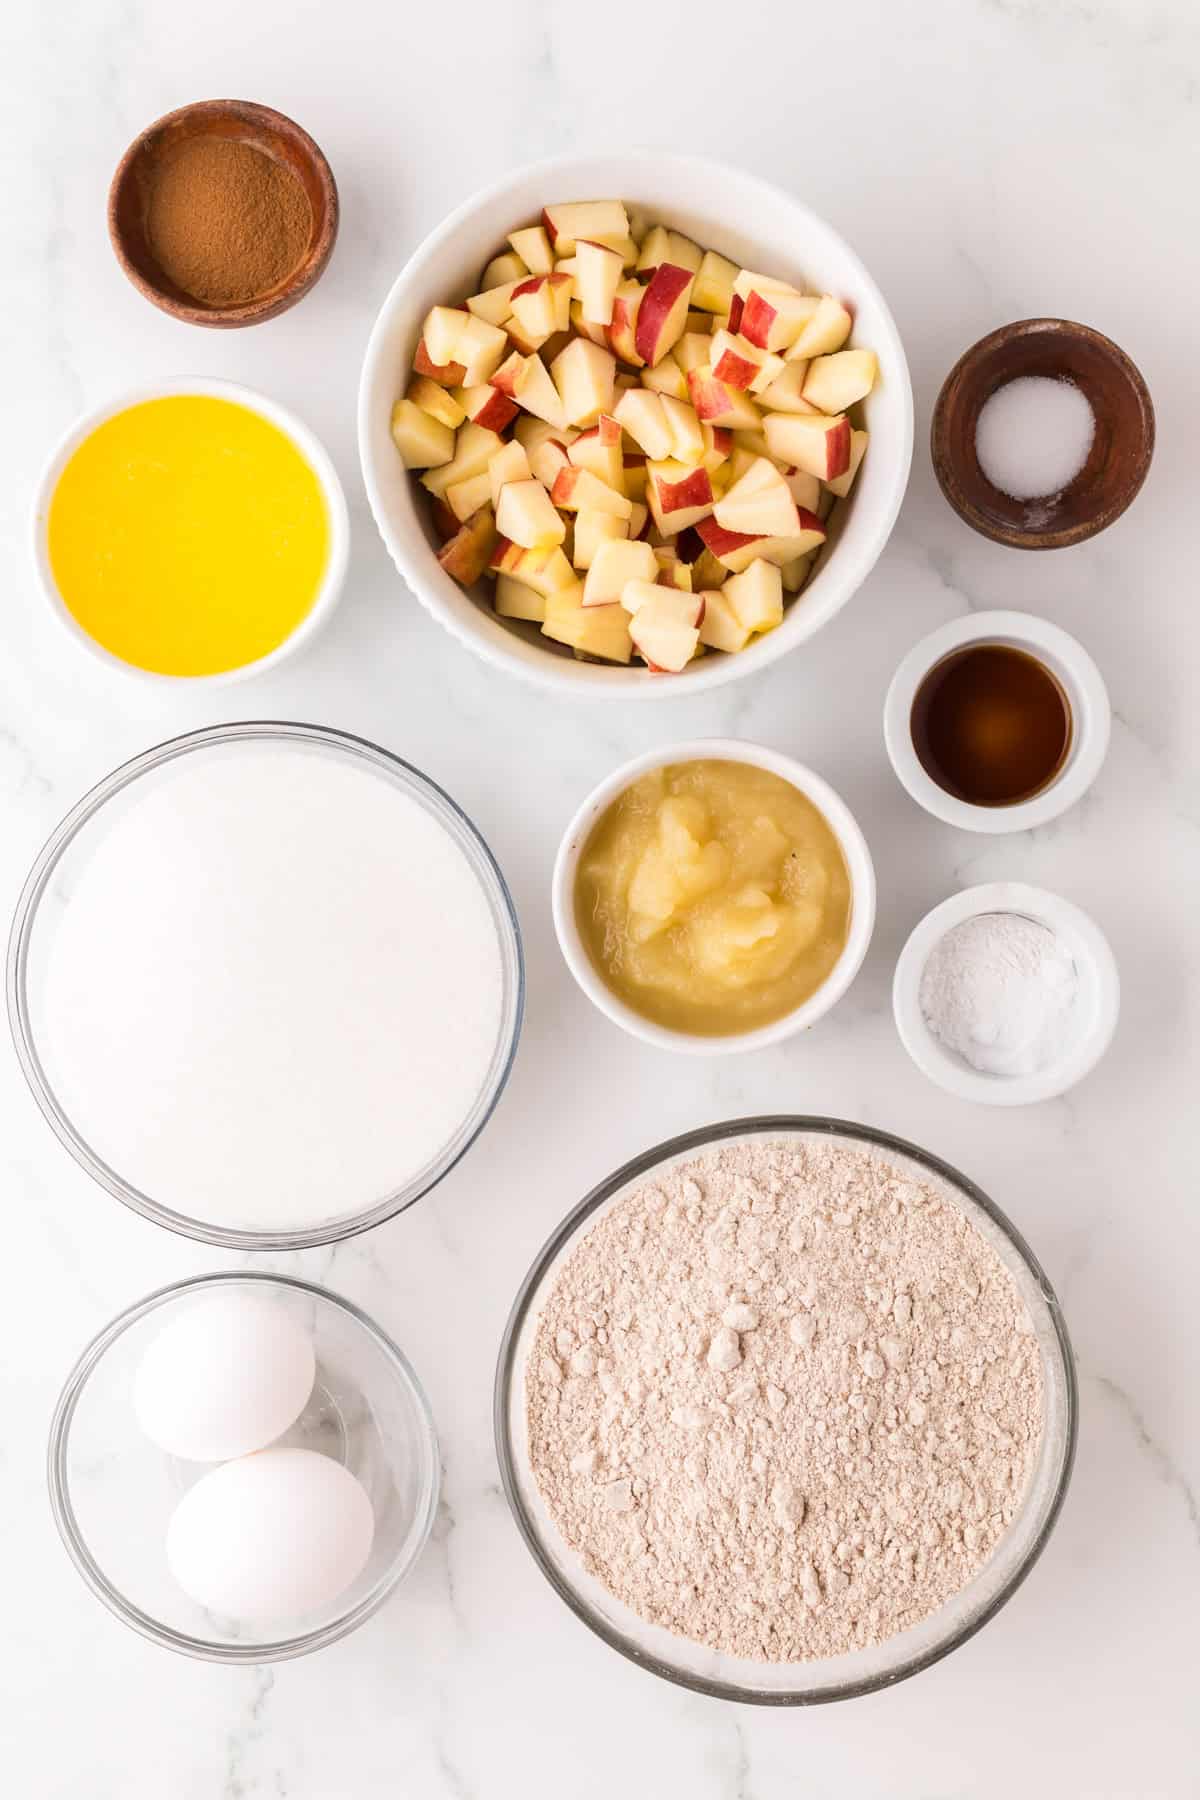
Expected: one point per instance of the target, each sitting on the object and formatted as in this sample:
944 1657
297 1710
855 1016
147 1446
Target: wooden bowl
278 137
1121 448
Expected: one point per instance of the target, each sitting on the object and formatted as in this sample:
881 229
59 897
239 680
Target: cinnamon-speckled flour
784 1399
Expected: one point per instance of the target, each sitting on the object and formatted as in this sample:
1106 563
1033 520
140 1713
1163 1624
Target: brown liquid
991 725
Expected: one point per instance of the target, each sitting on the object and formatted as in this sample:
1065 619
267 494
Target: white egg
272 1536
226 1377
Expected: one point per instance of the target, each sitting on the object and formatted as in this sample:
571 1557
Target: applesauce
713 897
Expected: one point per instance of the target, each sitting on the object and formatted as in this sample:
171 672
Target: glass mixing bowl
49 887
860 1672
112 1491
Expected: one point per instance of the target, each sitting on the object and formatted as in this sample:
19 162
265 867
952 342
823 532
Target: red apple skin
505 554
530 286
622 332
758 315
736 308
837 445
709 397
694 490
496 412
808 521
666 285
735 371
548 226
466 555
722 438
445 374
564 485
445 522
506 376
721 542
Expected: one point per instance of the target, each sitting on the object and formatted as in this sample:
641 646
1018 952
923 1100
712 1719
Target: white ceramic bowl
1097 1007
1079 679
747 220
310 448
841 821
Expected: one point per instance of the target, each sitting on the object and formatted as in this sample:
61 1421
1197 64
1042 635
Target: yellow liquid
188 535
713 897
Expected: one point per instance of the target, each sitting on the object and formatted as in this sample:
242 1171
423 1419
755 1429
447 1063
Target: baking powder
1001 991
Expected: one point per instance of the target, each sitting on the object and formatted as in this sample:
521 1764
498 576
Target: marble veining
990 160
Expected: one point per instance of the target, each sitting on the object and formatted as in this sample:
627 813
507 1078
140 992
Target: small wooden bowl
273 133
1117 462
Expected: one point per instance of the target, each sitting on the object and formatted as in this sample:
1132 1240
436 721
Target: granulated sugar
783 1399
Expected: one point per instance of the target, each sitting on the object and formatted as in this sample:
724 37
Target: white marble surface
990 159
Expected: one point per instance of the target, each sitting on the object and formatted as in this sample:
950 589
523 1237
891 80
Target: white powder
783 1399
275 988
1001 991
1033 436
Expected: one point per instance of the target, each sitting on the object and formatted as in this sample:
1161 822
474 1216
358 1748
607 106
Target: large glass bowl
860 1672
50 881
113 1492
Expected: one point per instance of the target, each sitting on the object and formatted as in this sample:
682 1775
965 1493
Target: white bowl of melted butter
713 896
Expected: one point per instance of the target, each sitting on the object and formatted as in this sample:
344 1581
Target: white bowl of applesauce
714 896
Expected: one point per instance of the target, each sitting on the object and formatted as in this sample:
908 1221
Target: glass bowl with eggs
243 1467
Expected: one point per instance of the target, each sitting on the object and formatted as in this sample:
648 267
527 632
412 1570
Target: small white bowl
744 218
1079 679
310 448
1096 1012
842 823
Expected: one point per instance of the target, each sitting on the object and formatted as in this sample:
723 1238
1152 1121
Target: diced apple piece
534 390
758 503
734 359
663 312
493 305
692 351
786 392
797 572
533 247
661 633
804 488
546 570
520 339
437 401
637 592
503 270
464 498
668 378
687 438
596 334
488 405
622 332
756 596
474 447
640 413
718 444
707 572
720 627
531 432
526 516
679 496
423 441
583 375
443 327
734 550
547 461
514 600
753 441
671 571
841 484
466 555
603 221
614 563
598 276
449 375
564 615
715 277
661 245
639 518
593 529
577 490
604 632
534 307
825 332
480 349
506 376
810 441
509 464
564 293
719 404
599 449
773 319
835 382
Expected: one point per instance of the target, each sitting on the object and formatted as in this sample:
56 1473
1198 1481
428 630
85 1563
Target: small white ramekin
310 448
1097 1008
845 828
1067 661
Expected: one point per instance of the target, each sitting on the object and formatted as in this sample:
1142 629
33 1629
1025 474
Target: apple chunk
811 442
509 464
665 630
534 390
599 449
603 221
756 596
436 400
825 332
641 414
713 290
592 529
719 404
720 627
488 405
466 555
597 278
841 484
614 564
759 502
583 375
678 495
662 315
423 441
835 382
532 246
578 490
526 515
513 600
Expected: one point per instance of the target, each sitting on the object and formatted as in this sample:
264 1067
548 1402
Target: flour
1000 991
783 1399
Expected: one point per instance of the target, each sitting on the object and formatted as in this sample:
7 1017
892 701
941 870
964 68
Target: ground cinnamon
224 221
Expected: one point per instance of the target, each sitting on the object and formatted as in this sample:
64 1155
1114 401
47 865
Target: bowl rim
841 821
545 670
644 1164
66 1522
1090 707
303 440
466 835
1011 537
310 268
945 1069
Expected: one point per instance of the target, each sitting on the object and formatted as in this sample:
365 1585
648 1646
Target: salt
1000 990
275 990
1033 436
